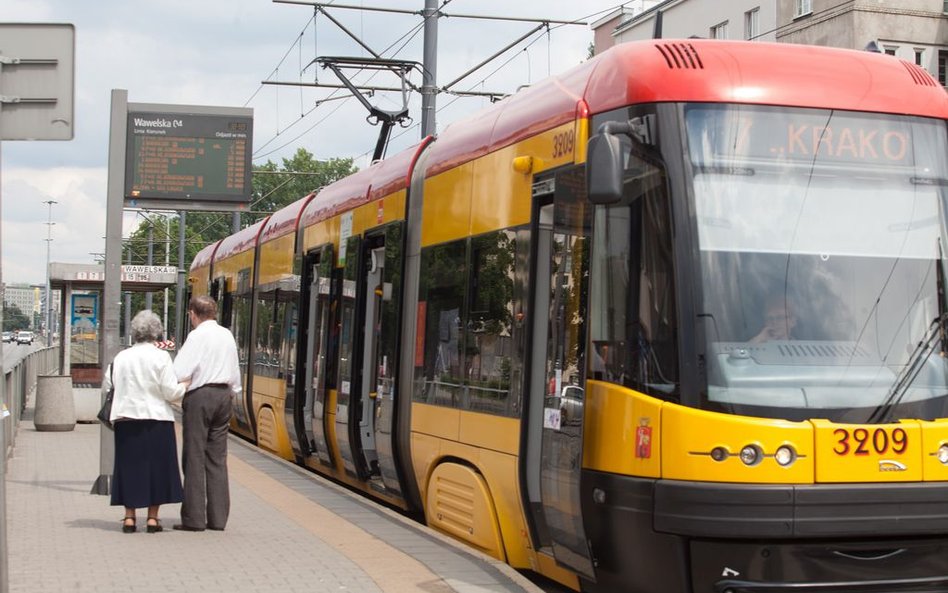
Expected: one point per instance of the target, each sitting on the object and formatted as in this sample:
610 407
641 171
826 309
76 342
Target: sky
218 52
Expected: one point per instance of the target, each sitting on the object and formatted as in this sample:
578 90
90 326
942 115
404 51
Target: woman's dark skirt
146 464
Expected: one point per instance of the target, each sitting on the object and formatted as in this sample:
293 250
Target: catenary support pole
429 86
164 316
179 292
127 307
149 296
47 312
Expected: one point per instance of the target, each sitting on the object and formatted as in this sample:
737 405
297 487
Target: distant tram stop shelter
81 288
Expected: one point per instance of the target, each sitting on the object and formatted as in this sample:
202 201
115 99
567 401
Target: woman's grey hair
146 327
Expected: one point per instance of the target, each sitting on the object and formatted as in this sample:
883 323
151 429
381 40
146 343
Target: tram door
317 336
367 359
369 390
380 350
555 436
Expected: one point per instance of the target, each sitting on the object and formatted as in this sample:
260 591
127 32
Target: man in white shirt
208 359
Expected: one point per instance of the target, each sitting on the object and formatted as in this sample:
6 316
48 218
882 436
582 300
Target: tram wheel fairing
459 504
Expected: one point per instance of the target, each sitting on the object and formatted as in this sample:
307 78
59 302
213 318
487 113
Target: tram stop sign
37 81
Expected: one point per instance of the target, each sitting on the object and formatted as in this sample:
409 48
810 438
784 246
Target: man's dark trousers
206 416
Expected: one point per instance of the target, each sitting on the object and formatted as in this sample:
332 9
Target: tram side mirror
604 168
608 154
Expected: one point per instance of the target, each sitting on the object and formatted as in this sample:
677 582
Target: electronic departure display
188 157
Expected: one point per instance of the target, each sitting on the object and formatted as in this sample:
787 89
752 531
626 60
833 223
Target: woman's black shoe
156 528
128 527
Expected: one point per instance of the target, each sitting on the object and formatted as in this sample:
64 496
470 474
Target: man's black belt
215 385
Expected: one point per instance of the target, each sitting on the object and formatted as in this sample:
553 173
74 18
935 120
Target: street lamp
49 241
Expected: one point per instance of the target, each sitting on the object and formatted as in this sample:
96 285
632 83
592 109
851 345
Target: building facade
604 27
755 20
31 301
24 297
913 30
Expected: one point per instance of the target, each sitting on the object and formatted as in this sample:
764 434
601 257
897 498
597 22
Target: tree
14 319
274 187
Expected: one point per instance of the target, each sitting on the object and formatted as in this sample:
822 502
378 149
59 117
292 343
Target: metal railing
19 384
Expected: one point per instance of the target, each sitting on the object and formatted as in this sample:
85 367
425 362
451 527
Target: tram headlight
785 455
943 454
751 455
719 454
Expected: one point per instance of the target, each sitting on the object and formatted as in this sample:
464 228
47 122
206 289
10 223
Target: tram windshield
822 245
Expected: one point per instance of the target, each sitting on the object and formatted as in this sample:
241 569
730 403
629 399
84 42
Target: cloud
217 52
78 218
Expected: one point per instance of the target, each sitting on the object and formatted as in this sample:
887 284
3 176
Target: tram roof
380 179
240 241
285 220
205 255
786 74
696 70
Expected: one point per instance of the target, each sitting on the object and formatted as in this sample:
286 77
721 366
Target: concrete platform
289 531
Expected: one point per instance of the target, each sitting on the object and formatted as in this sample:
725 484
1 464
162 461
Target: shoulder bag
106 412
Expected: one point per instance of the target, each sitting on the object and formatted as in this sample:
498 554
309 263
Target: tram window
347 322
489 343
226 308
331 300
390 308
441 330
634 321
267 357
240 325
291 320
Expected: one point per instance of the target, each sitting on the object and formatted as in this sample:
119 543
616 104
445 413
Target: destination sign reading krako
184 156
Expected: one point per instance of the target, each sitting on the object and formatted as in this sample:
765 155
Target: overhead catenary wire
547 22
460 95
296 41
413 32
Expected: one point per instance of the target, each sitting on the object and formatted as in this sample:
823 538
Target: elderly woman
146 454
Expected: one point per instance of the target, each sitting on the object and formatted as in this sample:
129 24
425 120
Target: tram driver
779 321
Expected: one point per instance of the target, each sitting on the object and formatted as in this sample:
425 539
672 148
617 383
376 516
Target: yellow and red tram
672 321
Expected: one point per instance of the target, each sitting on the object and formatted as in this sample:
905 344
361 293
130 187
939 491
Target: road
13 353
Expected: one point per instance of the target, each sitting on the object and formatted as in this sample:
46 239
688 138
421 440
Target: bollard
55 407
88 401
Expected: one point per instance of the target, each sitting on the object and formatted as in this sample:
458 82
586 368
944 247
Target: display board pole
111 297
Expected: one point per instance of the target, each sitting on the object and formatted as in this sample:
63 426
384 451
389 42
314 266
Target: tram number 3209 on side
563 144
861 441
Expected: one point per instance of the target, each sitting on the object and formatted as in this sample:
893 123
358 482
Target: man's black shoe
182 527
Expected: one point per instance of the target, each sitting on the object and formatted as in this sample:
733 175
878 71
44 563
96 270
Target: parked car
24 337
7 336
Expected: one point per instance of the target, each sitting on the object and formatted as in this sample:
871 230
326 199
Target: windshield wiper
934 335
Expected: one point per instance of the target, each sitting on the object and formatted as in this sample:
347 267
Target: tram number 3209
861 441
563 144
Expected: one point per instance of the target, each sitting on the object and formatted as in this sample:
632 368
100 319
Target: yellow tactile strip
391 569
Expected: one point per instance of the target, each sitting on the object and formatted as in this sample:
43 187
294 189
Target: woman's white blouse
145 384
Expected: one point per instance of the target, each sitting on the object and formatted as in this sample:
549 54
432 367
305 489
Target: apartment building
913 30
